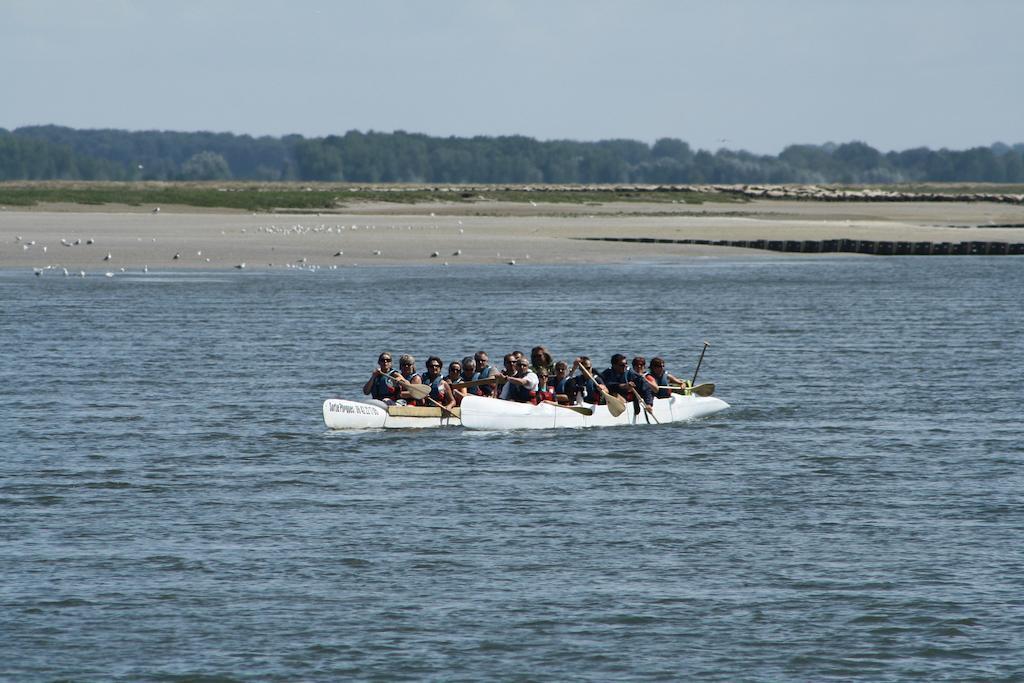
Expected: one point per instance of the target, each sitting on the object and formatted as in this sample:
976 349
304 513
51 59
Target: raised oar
699 360
705 389
576 409
616 405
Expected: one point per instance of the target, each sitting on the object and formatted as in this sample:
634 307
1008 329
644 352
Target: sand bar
479 233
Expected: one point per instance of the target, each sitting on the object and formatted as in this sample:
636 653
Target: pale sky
743 74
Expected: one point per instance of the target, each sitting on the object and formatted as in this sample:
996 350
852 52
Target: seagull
156 210
376 252
107 257
512 262
145 269
90 241
44 249
434 254
109 274
340 253
65 272
240 266
457 252
176 257
38 272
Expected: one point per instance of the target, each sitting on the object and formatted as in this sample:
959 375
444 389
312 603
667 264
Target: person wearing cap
381 385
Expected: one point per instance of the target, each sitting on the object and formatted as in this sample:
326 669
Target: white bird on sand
457 252
109 274
90 241
176 256
44 249
145 269
240 266
340 253
107 257
81 273
65 272
434 254
512 262
156 210
376 252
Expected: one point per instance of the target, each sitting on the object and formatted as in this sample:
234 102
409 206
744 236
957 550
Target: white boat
340 413
490 413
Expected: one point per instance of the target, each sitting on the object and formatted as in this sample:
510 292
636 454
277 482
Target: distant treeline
59 153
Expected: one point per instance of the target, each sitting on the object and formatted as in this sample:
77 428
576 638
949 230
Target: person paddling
662 378
381 385
440 390
455 375
407 367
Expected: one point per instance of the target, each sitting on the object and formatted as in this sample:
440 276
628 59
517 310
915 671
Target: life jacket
409 378
385 388
519 393
436 389
545 394
587 388
640 386
661 382
611 377
483 389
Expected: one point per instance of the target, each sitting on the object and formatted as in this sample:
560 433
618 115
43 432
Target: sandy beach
58 236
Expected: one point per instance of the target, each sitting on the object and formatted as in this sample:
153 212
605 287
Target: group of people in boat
529 380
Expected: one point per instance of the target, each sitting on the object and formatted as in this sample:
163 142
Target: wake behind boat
493 414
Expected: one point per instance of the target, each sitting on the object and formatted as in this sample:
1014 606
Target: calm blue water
172 508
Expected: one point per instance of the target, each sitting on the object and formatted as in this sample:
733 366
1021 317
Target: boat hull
490 413
341 413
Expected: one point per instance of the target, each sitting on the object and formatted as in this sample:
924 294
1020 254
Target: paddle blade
418 391
705 389
616 406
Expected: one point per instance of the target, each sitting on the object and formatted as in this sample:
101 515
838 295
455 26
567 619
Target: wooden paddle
616 405
705 389
444 411
417 391
478 382
576 409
